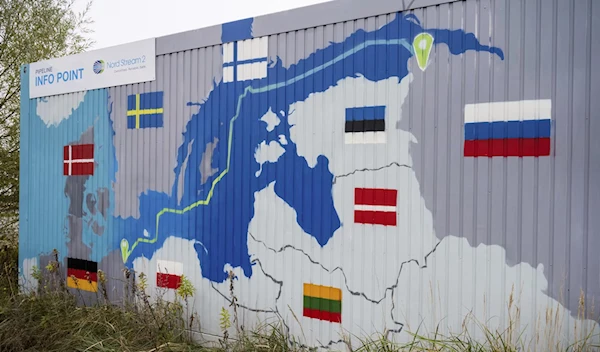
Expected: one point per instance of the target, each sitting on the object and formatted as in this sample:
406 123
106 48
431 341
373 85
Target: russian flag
514 128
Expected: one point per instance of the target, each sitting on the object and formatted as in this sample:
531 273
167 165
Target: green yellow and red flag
323 303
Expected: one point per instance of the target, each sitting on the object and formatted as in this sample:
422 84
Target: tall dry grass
54 318
549 333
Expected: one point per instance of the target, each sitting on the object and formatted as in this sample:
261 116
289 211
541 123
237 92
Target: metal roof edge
291 20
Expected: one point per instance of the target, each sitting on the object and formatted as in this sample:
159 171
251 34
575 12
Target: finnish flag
245 60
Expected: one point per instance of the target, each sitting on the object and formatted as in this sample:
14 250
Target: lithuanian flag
323 303
86 273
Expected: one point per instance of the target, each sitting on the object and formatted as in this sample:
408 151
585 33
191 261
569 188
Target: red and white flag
375 206
168 274
78 159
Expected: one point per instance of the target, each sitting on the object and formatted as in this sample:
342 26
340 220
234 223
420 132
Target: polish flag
168 274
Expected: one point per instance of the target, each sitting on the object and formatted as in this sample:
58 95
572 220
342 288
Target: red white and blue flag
515 128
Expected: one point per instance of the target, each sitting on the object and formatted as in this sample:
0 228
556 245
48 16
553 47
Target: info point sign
123 64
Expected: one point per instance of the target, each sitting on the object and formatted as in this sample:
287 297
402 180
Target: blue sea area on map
220 227
49 194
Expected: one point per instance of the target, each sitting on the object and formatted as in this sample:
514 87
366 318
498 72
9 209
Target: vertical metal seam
520 166
552 217
490 185
476 164
423 184
586 189
448 173
436 154
505 160
536 176
570 71
462 173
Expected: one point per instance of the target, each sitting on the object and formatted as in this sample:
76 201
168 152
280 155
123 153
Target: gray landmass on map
103 197
75 190
97 228
97 204
75 185
76 248
487 180
51 280
90 202
153 151
116 283
181 180
206 169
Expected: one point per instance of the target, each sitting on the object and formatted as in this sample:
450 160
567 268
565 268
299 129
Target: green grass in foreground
51 320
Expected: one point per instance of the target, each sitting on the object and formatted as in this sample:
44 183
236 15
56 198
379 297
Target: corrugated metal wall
265 177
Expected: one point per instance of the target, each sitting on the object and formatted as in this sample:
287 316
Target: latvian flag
78 159
516 128
245 60
168 274
375 206
365 125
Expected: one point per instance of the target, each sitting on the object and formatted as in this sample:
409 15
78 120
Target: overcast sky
123 21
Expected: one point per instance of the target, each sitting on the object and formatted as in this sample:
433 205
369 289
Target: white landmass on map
52 110
27 281
258 293
443 294
271 120
318 124
375 259
282 140
436 292
358 248
267 153
294 268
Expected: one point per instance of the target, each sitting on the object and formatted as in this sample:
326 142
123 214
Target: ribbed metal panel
261 177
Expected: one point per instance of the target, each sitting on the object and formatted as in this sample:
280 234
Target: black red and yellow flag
82 274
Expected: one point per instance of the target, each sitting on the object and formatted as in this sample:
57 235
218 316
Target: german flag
323 303
86 273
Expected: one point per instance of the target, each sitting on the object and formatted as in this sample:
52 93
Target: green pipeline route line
126 250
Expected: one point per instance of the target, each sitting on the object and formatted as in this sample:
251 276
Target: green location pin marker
422 45
124 249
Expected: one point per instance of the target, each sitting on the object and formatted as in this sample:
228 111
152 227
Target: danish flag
78 159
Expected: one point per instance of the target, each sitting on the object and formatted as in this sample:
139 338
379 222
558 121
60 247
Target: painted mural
298 176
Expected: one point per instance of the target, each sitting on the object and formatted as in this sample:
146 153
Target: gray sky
123 21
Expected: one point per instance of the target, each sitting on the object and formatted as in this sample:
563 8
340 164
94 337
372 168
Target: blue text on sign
64 76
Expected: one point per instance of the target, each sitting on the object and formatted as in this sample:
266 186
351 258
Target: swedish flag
145 110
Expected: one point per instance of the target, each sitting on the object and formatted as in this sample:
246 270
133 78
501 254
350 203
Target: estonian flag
365 125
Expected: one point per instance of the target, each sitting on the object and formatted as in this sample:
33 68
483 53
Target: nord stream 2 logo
98 67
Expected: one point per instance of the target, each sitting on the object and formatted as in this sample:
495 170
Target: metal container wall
360 167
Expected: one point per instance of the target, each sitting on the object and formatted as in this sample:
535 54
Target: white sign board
123 64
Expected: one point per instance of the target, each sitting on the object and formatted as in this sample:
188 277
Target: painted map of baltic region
217 213
257 179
